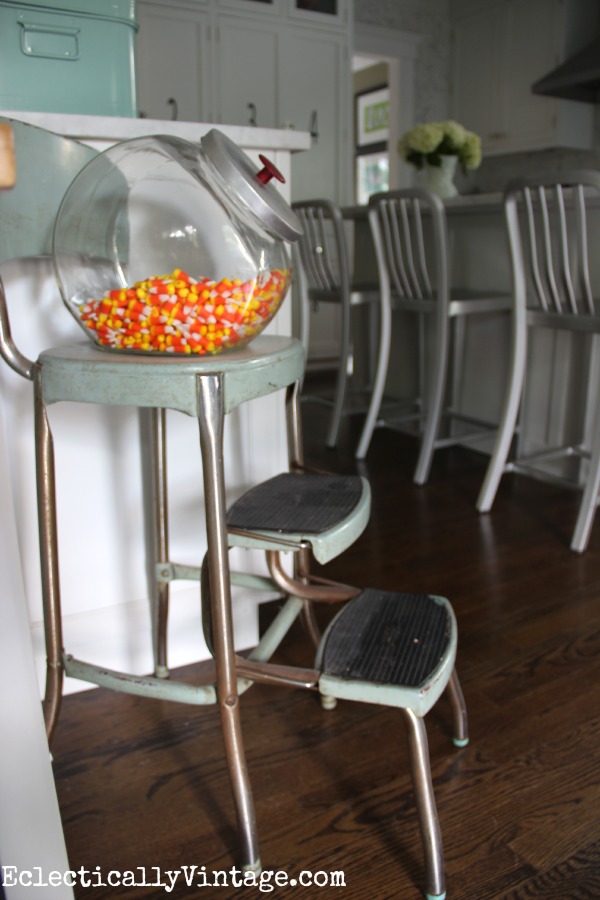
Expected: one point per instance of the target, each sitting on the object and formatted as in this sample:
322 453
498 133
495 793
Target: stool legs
158 536
48 538
459 710
589 499
434 402
513 391
341 382
385 332
211 415
426 808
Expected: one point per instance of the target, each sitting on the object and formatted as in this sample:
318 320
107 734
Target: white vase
440 179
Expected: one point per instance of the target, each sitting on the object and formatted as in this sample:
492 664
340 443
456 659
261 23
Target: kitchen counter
465 203
473 204
468 246
101 131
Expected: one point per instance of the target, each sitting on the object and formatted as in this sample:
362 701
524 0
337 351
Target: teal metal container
68 56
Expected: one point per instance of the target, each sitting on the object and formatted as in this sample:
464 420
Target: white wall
432 73
30 827
428 18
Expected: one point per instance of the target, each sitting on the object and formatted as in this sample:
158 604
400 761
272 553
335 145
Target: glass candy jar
162 245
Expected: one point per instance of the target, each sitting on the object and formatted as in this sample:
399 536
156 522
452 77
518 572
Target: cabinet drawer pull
49 41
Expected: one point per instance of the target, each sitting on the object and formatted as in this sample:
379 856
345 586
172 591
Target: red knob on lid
268 171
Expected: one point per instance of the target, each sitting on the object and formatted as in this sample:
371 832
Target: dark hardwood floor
143 783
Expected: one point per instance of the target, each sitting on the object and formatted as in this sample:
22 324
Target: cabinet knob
172 102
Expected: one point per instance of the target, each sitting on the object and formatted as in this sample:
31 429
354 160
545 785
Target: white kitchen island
103 580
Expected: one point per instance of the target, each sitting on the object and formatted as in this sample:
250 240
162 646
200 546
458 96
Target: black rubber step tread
385 637
296 502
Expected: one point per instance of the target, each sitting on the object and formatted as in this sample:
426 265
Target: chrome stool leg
425 801
159 537
211 415
459 709
48 538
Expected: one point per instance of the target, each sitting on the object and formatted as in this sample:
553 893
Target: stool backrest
46 164
410 237
547 222
322 248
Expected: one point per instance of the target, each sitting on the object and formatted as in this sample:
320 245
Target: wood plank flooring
143 783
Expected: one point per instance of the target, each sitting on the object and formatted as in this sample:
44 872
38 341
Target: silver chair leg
459 710
341 383
420 399
211 415
457 355
434 402
589 499
426 808
512 396
48 539
383 358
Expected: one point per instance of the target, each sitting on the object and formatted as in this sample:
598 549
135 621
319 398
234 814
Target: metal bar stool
409 232
547 223
324 276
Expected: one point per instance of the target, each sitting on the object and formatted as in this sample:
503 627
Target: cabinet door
478 98
315 78
499 52
246 71
536 39
172 61
532 52
314 93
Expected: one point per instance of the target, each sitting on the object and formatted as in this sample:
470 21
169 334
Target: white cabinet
478 47
500 48
246 71
173 62
281 63
290 77
314 85
275 64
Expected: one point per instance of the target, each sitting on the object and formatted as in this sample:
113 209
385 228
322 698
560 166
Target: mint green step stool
382 647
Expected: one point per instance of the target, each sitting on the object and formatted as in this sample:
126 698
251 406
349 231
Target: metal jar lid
252 185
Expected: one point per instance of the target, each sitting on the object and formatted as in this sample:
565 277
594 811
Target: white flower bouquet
428 143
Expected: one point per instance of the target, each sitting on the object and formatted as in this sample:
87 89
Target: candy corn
176 313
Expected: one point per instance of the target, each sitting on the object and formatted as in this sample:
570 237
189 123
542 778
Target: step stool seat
390 648
327 511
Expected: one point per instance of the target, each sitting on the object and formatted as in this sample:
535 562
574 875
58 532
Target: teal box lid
119 10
